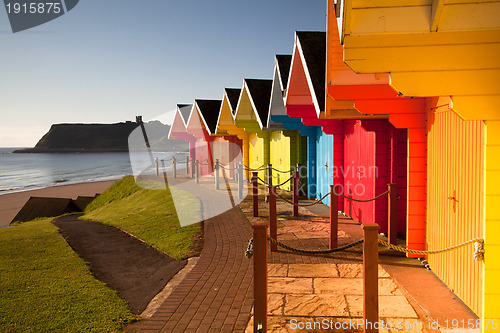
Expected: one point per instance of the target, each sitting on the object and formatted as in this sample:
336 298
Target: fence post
217 174
187 165
193 163
270 174
370 278
255 194
234 166
273 228
260 276
157 166
334 216
174 167
240 180
197 170
295 193
392 209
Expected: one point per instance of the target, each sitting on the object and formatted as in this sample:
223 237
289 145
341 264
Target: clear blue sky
110 60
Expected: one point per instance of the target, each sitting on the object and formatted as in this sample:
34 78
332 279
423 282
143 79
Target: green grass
150 215
46 287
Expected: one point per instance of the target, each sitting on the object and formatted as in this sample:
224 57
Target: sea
23 172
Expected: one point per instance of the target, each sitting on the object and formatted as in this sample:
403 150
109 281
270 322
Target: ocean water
19 172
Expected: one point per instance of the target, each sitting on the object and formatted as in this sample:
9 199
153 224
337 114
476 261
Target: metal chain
338 249
303 205
478 254
358 200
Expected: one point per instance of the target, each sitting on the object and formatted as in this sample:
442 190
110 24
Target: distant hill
91 138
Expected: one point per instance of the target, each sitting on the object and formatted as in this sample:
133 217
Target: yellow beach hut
251 115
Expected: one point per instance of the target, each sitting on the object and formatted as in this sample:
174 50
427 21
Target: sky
107 61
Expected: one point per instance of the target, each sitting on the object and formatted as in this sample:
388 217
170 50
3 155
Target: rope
262 168
266 184
282 171
358 200
229 169
478 254
303 205
249 251
289 248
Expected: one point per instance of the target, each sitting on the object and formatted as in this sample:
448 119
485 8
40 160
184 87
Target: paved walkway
217 295
304 290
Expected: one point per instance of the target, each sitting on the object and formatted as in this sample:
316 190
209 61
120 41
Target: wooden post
260 276
370 278
392 209
174 167
255 194
273 228
334 216
193 167
187 165
157 166
270 174
240 180
217 174
197 171
295 193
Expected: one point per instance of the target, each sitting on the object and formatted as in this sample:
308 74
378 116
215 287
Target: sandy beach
10 204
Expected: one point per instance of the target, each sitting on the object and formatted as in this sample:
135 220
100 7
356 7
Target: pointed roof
233 95
283 63
209 112
259 91
312 45
185 111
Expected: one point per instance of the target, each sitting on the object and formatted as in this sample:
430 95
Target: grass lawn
150 215
46 287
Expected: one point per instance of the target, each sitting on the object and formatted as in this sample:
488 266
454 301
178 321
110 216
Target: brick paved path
217 295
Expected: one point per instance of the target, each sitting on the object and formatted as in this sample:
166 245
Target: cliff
90 138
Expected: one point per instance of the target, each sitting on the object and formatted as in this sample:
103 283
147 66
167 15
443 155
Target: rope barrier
279 171
359 200
338 249
249 251
304 205
263 167
229 169
266 184
478 254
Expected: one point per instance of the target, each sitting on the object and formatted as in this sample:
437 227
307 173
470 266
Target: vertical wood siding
324 164
455 171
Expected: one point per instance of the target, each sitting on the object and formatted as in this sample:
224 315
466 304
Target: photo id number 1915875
34 8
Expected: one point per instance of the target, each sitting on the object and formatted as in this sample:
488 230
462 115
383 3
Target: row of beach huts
404 92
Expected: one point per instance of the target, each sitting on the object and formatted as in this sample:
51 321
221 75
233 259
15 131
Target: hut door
360 172
455 201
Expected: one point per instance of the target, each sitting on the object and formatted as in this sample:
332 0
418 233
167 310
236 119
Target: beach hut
179 124
251 115
288 144
228 148
356 152
202 122
305 100
448 50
